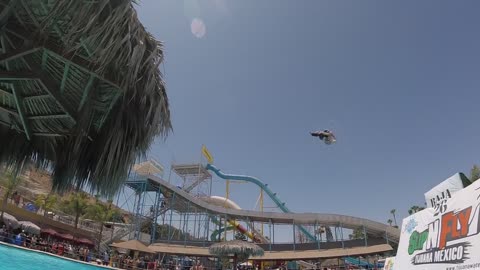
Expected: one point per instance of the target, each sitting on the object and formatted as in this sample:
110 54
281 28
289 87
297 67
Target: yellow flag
207 154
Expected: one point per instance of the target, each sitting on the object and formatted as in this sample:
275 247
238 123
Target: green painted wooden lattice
80 89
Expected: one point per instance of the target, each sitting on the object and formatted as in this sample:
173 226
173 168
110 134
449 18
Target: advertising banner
445 237
444 191
389 263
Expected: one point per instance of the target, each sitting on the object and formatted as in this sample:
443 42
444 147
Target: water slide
216 233
226 203
264 187
255 236
170 191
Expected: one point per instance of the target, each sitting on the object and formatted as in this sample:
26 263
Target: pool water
18 259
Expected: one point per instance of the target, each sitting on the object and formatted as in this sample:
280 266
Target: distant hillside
34 182
37 181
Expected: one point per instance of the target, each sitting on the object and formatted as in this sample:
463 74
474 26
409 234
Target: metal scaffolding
195 178
148 200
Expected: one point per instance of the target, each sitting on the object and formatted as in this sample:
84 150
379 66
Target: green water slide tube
216 233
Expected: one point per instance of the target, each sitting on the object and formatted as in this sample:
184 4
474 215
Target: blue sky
397 82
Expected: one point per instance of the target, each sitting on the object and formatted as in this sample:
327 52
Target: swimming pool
18 259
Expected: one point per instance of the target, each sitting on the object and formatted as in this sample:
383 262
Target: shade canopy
149 167
239 250
80 89
49 231
10 221
134 245
65 236
85 241
30 227
235 248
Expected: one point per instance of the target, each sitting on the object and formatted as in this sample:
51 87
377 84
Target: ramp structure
192 221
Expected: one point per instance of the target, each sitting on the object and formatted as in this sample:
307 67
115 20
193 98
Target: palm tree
394 217
389 221
12 182
46 202
101 213
357 233
76 204
414 209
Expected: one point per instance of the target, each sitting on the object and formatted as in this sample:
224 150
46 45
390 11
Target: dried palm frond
112 103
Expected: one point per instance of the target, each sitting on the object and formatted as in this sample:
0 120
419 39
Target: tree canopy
47 202
76 205
474 173
164 231
357 233
414 209
11 183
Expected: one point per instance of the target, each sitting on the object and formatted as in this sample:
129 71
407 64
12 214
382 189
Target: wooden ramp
278 255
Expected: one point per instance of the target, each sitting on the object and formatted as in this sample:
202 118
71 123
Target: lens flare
198 28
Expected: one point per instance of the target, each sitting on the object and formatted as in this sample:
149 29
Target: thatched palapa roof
240 250
235 247
80 89
134 245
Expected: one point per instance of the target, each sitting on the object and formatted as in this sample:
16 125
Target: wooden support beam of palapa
8 110
56 50
6 75
53 89
16 53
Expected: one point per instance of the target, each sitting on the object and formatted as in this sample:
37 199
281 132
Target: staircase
194 184
119 232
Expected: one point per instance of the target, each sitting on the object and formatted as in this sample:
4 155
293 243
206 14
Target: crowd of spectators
85 253
46 243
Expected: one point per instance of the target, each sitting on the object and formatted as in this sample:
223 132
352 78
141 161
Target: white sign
441 193
446 238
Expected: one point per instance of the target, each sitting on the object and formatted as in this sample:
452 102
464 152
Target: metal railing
76 251
83 253
118 233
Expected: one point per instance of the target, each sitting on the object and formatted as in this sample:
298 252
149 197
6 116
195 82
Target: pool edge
58 256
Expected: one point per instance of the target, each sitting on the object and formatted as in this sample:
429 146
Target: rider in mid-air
326 136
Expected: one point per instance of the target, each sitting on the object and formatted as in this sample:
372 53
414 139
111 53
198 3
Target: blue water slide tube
264 187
